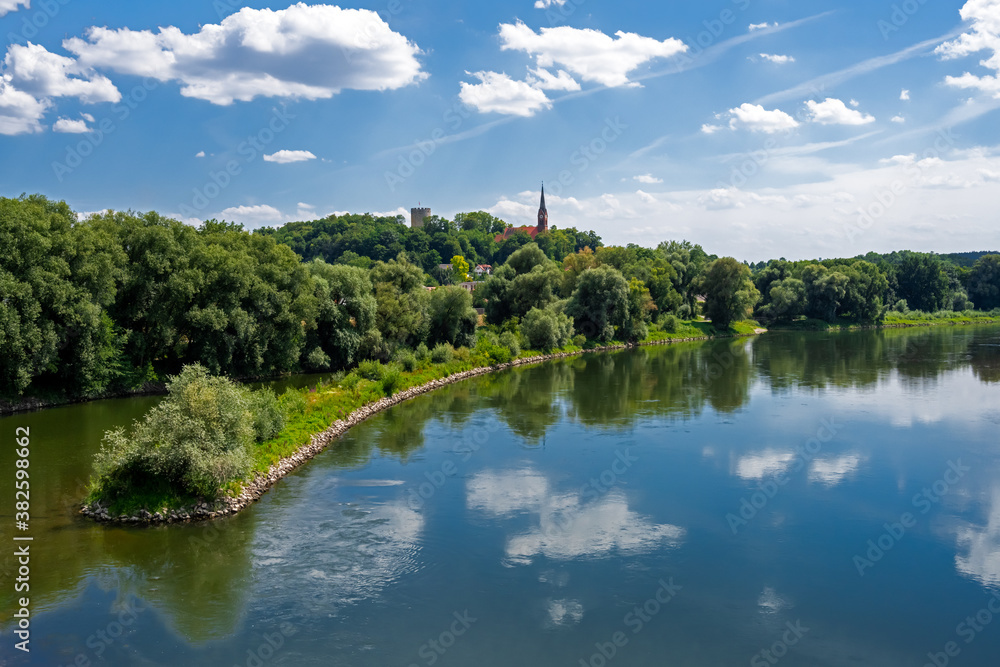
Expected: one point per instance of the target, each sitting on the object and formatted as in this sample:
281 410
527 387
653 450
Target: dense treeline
362 240
107 304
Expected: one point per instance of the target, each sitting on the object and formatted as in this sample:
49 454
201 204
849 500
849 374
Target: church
543 224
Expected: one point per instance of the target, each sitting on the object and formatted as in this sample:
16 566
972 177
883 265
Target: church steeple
543 214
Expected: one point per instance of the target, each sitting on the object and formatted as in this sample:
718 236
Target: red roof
510 231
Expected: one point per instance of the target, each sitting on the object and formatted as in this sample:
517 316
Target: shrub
670 323
197 439
442 353
422 352
293 402
510 340
370 370
350 381
268 416
392 377
407 361
579 340
463 354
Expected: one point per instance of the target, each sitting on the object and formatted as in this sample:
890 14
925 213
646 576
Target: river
794 499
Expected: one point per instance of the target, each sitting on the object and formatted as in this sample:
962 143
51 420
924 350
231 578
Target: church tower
543 214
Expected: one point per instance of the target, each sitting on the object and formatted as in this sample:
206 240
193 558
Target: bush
293 402
546 329
370 370
463 354
442 353
268 416
579 340
392 377
407 361
510 340
422 352
670 323
350 381
198 439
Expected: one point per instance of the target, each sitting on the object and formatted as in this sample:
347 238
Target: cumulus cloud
898 119
200 154
710 129
904 95
303 51
497 92
756 118
984 35
589 54
777 59
287 157
33 76
545 80
70 126
649 179
834 112
545 4
7 6
252 216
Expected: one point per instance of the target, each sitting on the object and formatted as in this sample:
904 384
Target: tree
788 299
452 317
345 314
599 303
984 282
460 269
401 313
922 282
640 308
824 291
547 328
730 295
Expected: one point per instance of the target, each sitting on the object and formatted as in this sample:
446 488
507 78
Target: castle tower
417 216
543 214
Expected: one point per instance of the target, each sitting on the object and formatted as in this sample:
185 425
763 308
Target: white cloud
71 126
645 196
287 157
305 51
545 4
854 103
200 154
32 76
762 26
545 80
7 6
649 179
43 74
252 216
904 95
898 119
590 54
777 59
499 93
756 118
834 112
983 36
710 129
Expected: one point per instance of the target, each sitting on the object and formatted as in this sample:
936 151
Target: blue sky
758 128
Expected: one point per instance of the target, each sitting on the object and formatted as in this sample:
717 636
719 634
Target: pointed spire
542 205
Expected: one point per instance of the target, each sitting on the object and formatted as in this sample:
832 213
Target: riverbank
253 489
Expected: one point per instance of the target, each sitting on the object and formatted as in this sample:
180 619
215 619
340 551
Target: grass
893 318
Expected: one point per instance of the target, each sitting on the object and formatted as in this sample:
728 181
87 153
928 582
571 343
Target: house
483 270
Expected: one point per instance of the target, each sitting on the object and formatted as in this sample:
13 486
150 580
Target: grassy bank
892 319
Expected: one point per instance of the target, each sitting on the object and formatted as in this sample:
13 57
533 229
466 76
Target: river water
794 499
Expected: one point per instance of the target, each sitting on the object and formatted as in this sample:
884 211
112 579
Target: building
483 270
542 226
418 215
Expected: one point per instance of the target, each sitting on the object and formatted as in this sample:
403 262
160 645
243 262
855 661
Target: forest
123 300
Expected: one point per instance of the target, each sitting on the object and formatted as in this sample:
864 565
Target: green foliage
370 370
198 439
547 329
292 402
669 323
451 317
391 378
422 352
442 353
600 303
984 282
730 295
407 360
402 302
510 340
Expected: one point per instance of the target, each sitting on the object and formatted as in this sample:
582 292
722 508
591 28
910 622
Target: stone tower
543 214
417 216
